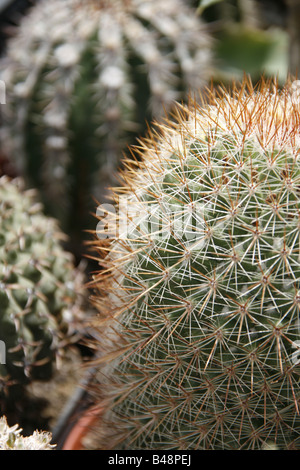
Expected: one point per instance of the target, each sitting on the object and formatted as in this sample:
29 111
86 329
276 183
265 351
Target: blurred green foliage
254 52
251 37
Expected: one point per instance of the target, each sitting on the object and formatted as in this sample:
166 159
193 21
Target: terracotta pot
81 427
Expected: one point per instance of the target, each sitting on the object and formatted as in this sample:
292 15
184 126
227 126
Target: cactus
82 78
12 439
40 290
199 291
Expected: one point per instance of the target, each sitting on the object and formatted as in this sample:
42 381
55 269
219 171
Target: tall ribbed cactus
201 281
40 290
82 78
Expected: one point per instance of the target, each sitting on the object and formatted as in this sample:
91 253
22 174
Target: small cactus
12 439
82 78
40 289
199 291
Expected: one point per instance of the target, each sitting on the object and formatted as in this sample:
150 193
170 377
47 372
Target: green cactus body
40 299
82 78
201 291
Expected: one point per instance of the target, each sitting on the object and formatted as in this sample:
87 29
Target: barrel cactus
199 291
40 290
82 78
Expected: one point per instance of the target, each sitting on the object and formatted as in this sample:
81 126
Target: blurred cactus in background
199 291
12 439
82 78
40 291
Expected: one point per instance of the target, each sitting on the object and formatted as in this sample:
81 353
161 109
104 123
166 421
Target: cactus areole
202 280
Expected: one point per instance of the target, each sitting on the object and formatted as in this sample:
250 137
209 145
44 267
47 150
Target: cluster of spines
12 439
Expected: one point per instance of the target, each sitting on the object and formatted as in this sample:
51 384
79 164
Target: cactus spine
201 290
40 290
82 78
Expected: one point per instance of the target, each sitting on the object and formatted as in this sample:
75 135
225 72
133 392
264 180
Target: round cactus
40 299
82 78
200 283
